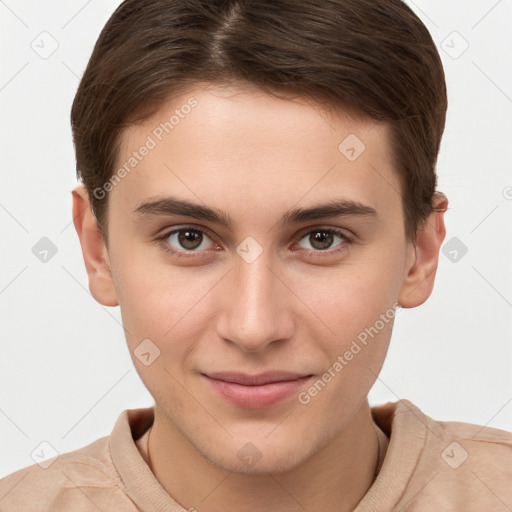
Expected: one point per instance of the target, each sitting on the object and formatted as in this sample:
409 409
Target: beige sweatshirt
428 466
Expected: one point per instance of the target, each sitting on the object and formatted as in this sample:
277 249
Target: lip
256 391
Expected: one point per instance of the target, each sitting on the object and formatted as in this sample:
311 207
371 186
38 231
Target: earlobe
94 251
419 281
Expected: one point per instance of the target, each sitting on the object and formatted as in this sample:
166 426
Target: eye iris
189 238
324 238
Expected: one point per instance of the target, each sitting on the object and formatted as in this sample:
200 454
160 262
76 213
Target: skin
296 307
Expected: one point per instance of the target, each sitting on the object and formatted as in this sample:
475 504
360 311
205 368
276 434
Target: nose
257 306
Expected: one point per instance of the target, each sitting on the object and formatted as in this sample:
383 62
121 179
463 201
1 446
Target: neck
333 479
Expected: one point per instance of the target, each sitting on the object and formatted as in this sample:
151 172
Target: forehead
247 147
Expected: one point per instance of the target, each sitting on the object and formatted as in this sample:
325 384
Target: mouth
256 391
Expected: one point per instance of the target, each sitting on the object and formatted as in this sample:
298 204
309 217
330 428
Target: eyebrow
173 206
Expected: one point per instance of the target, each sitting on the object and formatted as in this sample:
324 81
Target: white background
65 371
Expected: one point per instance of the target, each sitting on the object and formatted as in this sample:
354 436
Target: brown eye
322 239
190 238
187 240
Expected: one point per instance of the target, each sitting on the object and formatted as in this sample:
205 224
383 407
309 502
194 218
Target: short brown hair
372 56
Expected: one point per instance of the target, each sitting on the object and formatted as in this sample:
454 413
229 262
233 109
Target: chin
260 457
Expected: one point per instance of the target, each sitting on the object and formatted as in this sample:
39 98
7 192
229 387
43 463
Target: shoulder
474 461
459 465
84 479
482 447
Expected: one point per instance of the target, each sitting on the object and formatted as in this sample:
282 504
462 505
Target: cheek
157 313
358 304
352 298
163 302
355 358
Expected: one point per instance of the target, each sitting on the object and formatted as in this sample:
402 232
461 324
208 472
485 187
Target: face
260 248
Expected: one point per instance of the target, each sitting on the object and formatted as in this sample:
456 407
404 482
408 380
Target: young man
258 196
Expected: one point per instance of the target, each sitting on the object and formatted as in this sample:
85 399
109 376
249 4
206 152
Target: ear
96 259
419 281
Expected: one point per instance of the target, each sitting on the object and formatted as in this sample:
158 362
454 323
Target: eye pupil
188 238
323 238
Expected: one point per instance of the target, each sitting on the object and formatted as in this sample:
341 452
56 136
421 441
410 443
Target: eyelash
162 239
